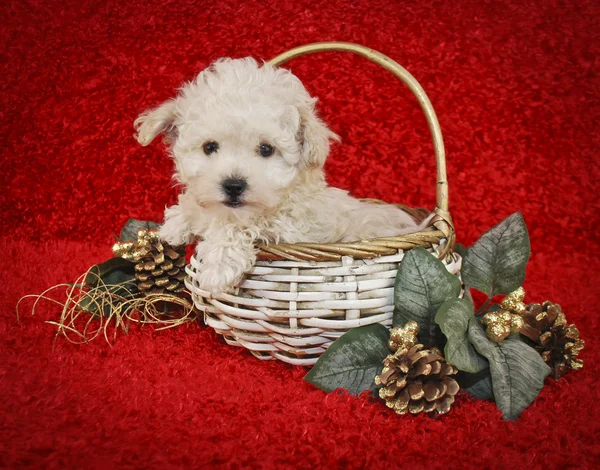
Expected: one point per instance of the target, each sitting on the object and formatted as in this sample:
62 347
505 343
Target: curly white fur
240 106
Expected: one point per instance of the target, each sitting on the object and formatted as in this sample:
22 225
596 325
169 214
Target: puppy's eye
210 147
266 150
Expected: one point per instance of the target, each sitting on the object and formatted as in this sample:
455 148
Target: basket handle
415 87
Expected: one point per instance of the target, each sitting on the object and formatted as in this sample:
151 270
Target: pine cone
159 267
417 380
557 342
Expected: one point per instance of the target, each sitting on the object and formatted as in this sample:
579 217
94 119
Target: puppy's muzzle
233 189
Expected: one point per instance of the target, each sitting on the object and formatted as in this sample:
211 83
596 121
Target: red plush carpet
515 85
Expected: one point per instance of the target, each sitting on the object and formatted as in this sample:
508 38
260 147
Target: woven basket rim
440 227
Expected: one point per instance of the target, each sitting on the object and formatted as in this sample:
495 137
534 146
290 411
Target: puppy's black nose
234 187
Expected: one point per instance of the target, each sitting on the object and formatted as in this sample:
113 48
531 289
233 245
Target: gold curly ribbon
80 325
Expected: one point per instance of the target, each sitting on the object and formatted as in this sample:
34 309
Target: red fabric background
515 86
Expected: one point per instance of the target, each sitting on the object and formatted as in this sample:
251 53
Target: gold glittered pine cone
160 267
416 380
557 342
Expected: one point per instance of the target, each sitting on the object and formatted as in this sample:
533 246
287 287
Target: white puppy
249 150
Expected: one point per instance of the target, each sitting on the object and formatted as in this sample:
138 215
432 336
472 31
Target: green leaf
482 390
453 318
352 361
112 271
115 278
493 308
478 385
133 226
423 284
460 249
517 370
496 263
91 306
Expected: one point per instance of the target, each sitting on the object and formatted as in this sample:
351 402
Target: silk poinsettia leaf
477 385
496 263
422 285
95 305
115 279
352 361
517 370
492 308
453 318
133 226
460 249
113 271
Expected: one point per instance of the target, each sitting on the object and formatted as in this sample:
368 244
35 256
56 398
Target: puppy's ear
154 121
314 137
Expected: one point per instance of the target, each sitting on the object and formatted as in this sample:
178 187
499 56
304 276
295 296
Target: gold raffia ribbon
106 305
80 325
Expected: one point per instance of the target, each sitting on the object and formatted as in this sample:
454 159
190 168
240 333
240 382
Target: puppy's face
236 150
240 135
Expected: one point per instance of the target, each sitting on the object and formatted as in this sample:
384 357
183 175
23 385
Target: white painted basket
299 298
293 310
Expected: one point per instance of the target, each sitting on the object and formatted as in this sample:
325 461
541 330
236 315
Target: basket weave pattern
293 310
299 298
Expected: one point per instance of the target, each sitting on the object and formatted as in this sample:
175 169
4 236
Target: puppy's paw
215 280
175 230
223 265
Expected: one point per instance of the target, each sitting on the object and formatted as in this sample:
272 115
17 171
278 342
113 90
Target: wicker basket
299 298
